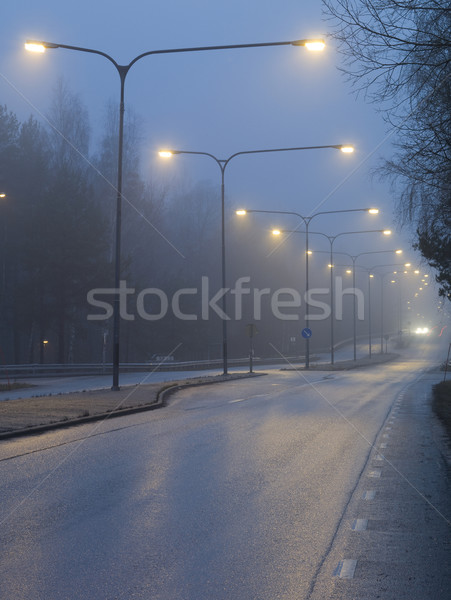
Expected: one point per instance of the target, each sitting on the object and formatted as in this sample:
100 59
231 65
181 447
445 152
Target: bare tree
397 53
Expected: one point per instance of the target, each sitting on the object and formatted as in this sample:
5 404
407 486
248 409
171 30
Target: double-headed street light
331 242
354 259
41 46
222 164
382 276
370 273
332 239
307 220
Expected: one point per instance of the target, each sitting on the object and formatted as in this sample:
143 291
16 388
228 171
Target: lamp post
4 241
383 275
332 239
122 70
307 220
370 277
222 164
354 259
42 352
400 298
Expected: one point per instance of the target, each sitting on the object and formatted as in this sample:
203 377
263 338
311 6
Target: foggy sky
218 102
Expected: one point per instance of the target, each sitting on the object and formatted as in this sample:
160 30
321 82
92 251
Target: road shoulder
393 541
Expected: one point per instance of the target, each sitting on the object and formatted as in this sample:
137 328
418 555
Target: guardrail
72 370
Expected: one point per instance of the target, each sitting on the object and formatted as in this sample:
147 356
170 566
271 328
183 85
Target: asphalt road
291 486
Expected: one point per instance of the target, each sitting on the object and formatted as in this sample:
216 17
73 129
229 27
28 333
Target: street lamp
370 277
354 259
332 239
399 280
42 352
4 243
307 220
382 276
122 70
370 274
222 164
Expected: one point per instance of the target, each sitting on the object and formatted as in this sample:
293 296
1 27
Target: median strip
26 416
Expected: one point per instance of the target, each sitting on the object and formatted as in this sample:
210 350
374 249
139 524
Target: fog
58 171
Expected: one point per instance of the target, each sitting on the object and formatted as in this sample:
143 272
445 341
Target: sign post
251 330
307 334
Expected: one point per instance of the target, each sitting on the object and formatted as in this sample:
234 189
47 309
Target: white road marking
346 568
248 398
375 473
360 524
263 395
378 457
383 445
369 495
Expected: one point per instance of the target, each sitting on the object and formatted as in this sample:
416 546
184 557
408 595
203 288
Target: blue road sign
306 333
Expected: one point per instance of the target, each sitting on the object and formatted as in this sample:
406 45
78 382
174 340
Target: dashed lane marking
360 524
248 398
369 495
263 395
375 473
346 568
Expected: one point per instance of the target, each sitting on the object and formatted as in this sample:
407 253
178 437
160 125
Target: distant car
422 330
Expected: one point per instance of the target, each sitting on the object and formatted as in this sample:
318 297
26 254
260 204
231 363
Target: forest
58 220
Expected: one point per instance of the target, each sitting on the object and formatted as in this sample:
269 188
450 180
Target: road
266 488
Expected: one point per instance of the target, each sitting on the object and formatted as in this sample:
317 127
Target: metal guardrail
72 370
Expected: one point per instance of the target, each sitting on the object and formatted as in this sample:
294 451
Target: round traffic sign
306 333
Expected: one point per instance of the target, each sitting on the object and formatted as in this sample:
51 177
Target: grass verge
441 403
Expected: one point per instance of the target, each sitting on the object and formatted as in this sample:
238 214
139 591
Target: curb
345 365
161 397
165 393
